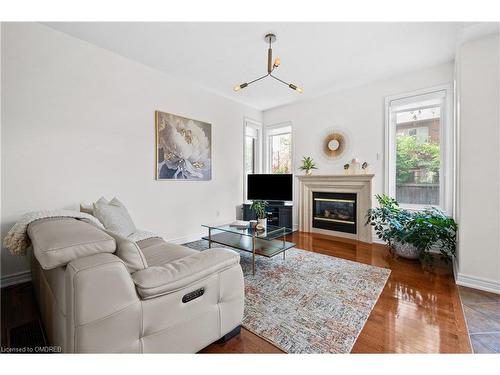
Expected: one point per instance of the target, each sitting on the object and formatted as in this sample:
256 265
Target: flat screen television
270 187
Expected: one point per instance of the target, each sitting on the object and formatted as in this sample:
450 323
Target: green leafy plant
425 230
259 207
412 156
308 164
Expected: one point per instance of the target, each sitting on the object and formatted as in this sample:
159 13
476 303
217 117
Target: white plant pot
263 222
405 250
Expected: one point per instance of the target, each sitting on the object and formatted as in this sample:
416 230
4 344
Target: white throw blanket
17 240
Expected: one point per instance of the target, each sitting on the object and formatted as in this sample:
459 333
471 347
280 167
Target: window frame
258 127
268 133
446 129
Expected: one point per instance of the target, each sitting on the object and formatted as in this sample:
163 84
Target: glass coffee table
267 243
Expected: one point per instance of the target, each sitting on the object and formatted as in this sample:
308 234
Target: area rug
309 302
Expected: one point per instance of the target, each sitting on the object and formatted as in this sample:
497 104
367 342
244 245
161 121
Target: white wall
78 123
478 86
360 111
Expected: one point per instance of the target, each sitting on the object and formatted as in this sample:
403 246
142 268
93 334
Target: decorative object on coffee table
308 164
183 148
413 234
259 207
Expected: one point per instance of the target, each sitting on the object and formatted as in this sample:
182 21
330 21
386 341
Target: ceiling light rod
291 85
270 67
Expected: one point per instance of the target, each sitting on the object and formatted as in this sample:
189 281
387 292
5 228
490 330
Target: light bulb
299 89
239 87
277 61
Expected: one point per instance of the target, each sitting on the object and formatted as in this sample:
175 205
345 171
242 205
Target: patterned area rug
309 302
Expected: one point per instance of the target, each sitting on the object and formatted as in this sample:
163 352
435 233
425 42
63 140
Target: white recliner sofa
100 293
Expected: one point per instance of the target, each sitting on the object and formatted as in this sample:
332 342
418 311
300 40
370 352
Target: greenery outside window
418 149
279 149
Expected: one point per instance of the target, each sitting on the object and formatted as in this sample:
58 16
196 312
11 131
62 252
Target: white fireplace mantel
361 185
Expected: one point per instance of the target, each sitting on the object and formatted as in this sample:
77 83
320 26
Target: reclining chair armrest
100 296
157 281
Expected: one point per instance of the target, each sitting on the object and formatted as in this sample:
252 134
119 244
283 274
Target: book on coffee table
240 224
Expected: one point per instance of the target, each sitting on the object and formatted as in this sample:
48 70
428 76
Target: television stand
278 214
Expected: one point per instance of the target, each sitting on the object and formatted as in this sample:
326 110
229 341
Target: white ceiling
320 57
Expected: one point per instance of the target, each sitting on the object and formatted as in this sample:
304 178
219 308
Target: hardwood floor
18 307
418 311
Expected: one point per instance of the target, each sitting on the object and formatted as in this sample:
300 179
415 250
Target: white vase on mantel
309 172
355 166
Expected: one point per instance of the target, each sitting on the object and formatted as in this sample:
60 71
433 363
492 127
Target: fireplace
359 188
334 211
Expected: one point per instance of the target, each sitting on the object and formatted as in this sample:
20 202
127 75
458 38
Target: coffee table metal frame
268 243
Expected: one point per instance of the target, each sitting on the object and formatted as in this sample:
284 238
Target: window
252 149
251 143
279 149
418 149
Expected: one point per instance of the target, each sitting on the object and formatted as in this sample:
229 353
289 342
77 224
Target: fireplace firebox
334 211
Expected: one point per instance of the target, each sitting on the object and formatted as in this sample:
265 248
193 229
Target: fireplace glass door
335 211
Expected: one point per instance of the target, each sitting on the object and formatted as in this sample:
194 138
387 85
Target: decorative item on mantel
346 168
364 167
355 167
308 164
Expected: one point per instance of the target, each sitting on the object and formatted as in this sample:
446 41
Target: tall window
417 149
252 147
251 144
279 149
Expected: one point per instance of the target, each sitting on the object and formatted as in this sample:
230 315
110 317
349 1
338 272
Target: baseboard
480 283
15 278
454 264
186 239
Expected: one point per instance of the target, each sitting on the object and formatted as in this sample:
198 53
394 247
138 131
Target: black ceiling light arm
243 85
277 79
291 85
270 68
258 79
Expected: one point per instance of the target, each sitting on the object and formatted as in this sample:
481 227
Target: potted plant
308 164
413 234
259 207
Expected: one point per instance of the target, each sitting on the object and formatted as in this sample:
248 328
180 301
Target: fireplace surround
340 206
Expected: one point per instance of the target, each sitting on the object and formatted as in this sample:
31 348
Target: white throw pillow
114 216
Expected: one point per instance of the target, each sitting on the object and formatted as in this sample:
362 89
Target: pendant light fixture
270 38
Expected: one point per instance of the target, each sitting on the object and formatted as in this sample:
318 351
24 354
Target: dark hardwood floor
419 311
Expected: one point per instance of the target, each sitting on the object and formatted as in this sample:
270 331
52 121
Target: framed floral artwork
183 148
